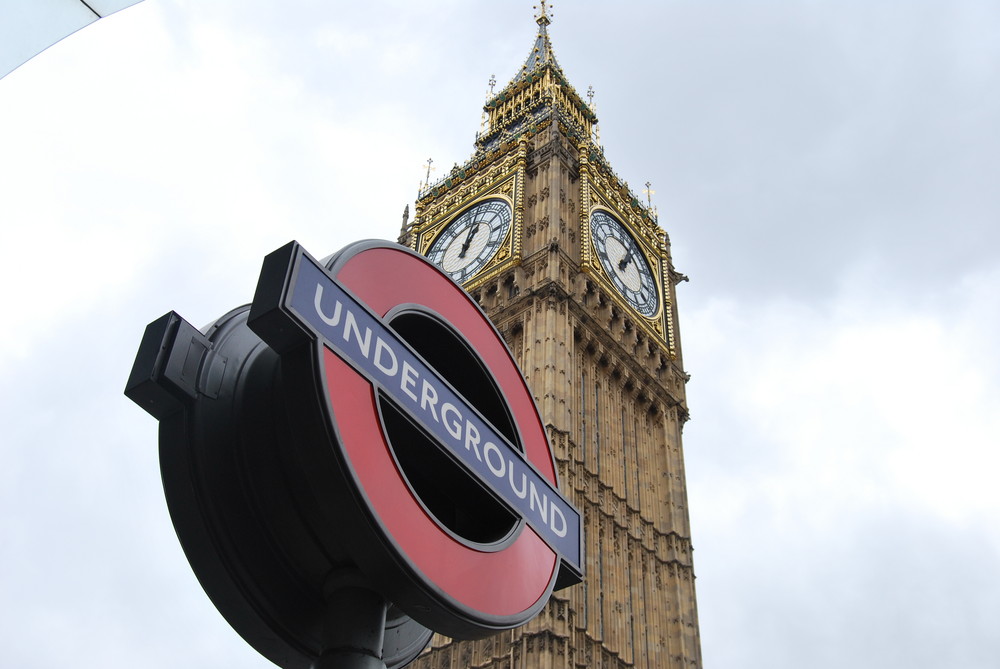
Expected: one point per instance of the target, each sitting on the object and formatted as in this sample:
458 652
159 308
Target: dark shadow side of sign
297 300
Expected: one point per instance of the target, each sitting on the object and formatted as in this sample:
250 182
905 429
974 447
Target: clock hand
623 263
468 241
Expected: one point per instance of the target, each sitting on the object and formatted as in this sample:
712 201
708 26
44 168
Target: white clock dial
624 263
472 239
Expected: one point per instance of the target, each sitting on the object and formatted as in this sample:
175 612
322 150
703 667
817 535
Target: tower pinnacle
541 52
543 18
540 87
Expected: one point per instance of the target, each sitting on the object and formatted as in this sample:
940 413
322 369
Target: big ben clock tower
577 275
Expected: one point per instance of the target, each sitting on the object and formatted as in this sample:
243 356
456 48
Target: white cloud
842 462
859 403
842 445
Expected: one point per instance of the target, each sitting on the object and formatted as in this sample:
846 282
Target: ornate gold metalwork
508 188
651 241
586 257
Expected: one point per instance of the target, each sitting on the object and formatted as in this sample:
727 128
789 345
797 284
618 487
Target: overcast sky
829 175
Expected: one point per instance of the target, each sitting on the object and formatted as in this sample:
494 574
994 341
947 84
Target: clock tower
577 275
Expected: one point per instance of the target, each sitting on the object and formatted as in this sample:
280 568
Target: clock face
624 263
472 239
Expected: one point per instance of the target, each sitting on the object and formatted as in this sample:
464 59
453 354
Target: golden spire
542 74
541 54
542 19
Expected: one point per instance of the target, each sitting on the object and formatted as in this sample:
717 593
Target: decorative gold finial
649 193
484 124
543 18
595 130
427 180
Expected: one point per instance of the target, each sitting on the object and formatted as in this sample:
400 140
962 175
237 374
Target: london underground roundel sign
354 460
430 461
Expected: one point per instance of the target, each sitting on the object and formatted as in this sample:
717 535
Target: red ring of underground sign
500 588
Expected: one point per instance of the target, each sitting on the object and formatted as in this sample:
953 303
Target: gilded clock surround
454 205
500 171
602 189
609 382
645 265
